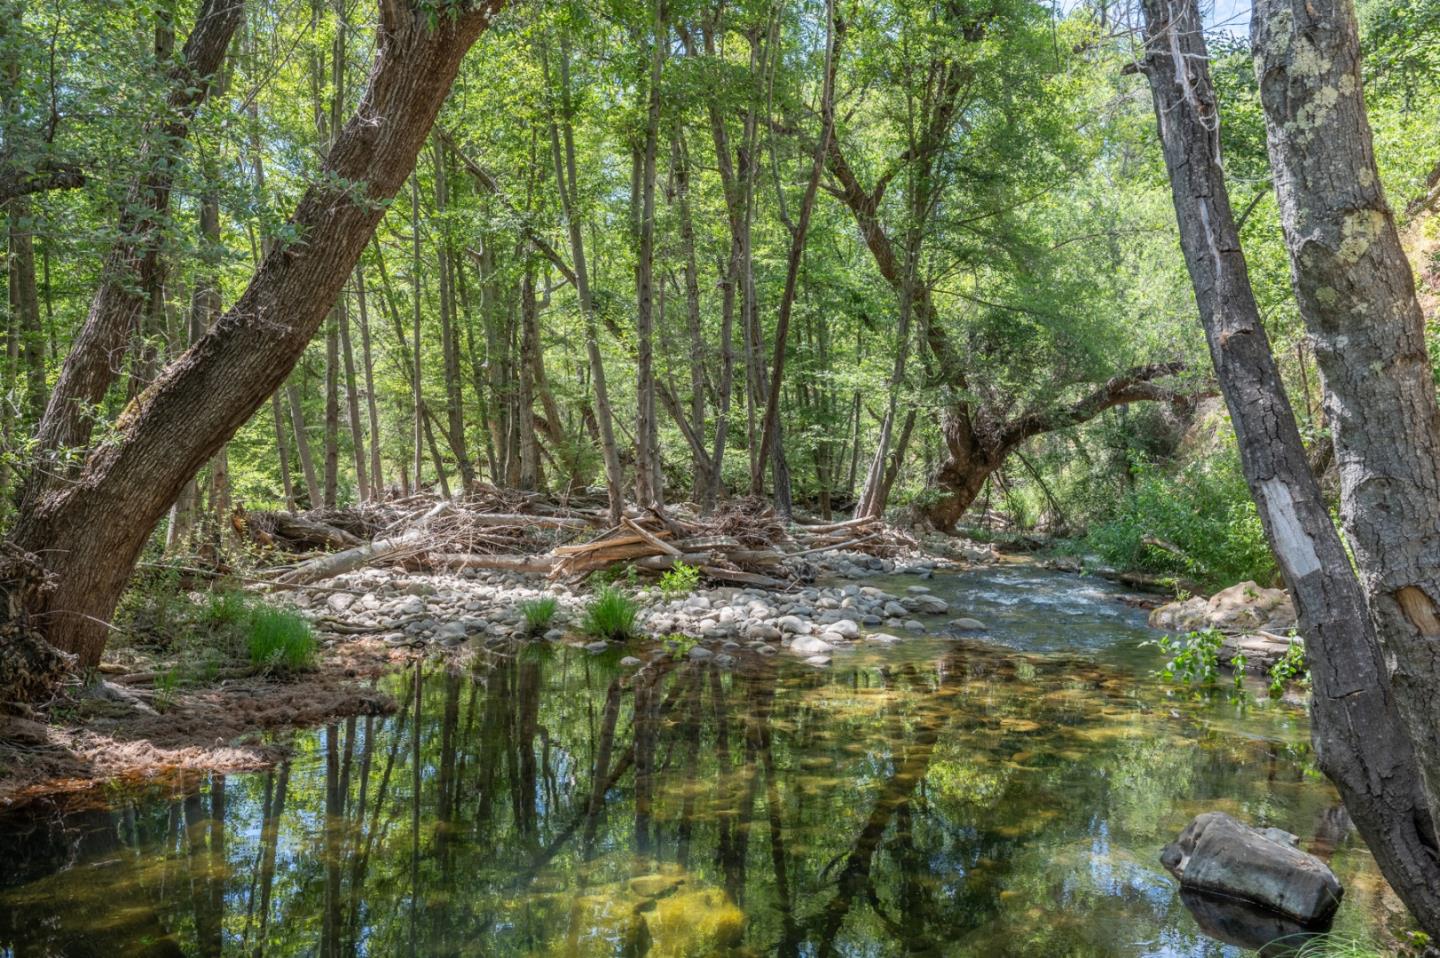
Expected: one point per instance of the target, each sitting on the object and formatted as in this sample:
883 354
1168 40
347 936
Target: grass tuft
539 612
611 615
280 641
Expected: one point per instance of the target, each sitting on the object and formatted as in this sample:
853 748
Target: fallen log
744 578
324 567
453 560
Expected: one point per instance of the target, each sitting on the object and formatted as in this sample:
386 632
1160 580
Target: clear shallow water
930 798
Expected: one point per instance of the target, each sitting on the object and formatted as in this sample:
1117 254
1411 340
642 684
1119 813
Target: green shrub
1195 659
610 615
1289 668
539 612
1199 523
279 640
680 579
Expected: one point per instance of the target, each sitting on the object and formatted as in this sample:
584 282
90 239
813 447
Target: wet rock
926 604
699 654
914 625
759 630
1219 855
725 660
883 637
630 662
966 625
598 646
895 610
845 628
819 661
451 633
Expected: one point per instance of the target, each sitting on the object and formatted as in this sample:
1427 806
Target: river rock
926 604
340 601
809 645
597 646
793 624
1222 856
966 625
699 653
845 628
1244 607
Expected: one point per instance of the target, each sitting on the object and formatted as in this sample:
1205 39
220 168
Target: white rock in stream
809 645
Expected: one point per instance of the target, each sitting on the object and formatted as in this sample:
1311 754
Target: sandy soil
233 725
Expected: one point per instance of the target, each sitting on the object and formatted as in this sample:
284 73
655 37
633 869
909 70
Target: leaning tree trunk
1357 296
91 531
1358 735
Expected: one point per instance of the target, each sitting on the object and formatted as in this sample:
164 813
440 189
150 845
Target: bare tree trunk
302 445
648 483
25 308
770 430
282 449
529 348
702 489
417 398
1357 296
450 346
377 477
1359 739
91 531
566 183
352 398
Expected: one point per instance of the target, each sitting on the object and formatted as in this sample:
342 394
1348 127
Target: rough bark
566 182
770 428
91 531
93 361
1357 732
647 446
1357 296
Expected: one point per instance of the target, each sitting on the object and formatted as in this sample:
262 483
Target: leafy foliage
680 579
1199 523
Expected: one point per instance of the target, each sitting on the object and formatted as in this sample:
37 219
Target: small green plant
279 640
166 684
539 612
1195 659
610 615
680 644
1290 668
680 579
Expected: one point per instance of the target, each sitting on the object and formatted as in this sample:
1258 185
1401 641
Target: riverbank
152 716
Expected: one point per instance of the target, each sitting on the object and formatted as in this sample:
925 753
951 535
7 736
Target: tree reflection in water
954 800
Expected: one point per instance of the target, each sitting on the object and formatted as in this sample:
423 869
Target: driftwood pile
746 543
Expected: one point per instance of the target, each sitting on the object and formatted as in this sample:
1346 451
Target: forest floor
158 714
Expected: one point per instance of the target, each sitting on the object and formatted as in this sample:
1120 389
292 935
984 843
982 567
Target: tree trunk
1357 296
282 450
770 429
529 348
302 445
377 477
566 183
90 367
91 531
648 487
449 342
1357 732
352 402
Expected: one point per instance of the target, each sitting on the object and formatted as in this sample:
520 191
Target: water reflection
943 799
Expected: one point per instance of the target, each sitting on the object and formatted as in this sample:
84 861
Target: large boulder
1222 856
1244 607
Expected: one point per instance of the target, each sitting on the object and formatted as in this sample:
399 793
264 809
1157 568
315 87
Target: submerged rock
809 645
1219 855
